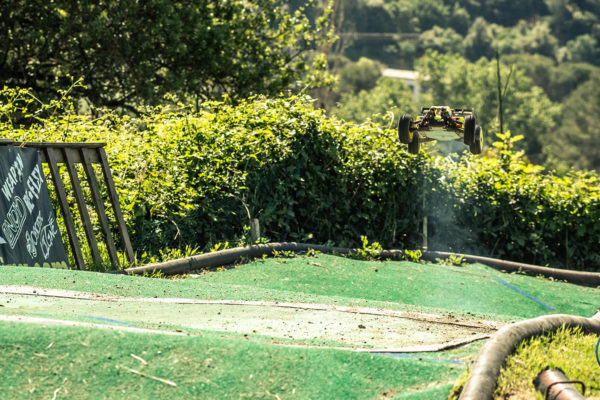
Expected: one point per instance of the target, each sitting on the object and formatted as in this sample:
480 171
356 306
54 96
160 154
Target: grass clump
569 349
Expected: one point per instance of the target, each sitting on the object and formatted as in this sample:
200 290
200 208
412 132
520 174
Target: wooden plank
74 156
114 198
72 148
99 204
85 217
58 145
59 187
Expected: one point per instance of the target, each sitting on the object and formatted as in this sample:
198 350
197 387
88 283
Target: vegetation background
204 106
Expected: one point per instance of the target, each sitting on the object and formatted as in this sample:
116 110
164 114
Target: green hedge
507 208
195 179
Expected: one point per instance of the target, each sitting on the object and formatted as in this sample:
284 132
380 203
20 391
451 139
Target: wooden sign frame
86 154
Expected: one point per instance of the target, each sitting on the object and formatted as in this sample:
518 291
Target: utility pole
499 92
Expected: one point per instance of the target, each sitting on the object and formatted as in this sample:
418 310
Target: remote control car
441 123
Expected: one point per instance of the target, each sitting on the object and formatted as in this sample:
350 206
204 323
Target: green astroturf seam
516 289
107 320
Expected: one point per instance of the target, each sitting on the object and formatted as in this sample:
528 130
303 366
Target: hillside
398 32
549 55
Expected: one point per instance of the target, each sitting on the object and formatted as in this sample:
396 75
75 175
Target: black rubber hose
486 370
224 257
580 277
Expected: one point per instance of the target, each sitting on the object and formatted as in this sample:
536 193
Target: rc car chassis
441 123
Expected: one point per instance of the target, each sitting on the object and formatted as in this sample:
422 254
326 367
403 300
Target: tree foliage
457 82
504 12
557 80
385 103
360 75
565 30
574 143
134 52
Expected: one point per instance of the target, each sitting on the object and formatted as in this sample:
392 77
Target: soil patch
360 328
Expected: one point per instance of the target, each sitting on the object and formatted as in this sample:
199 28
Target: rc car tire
413 146
404 128
477 146
469 130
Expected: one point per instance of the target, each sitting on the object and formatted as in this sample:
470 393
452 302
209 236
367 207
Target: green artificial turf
471 289
93 363
82 363
432 391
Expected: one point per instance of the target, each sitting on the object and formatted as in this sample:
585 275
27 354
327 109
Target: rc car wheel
413 146
469 129
477 146
404 128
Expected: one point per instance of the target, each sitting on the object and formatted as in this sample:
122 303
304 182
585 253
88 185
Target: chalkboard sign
29 233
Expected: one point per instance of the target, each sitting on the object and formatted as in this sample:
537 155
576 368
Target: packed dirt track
359 328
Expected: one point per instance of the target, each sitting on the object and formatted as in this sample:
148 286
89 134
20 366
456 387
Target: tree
534 38
131 51
389 99
361 75
505 12
456 82
570 19
430 13
568 76
479 40
540 69
575 143
443 40
558 81
583 48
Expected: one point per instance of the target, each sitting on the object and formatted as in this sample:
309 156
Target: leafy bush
505 207
196 179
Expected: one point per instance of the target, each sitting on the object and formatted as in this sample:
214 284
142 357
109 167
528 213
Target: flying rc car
441 123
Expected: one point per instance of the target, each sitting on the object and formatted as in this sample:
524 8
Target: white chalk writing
33 236
13 223
34 185
47 236
15 174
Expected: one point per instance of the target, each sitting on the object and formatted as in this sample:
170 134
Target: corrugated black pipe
224 257
486 370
